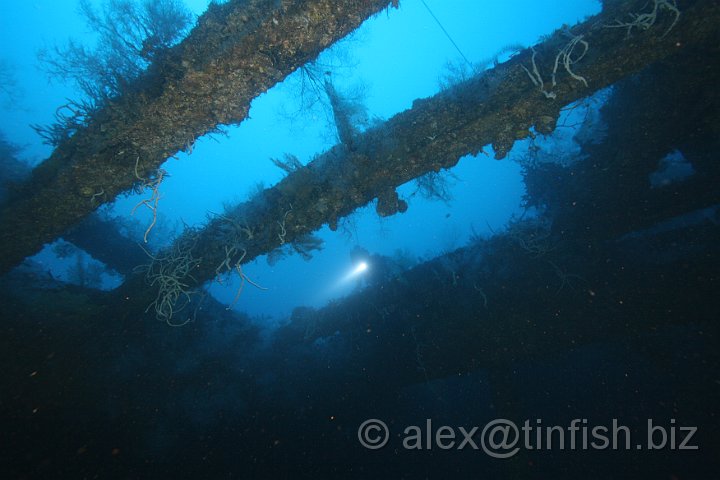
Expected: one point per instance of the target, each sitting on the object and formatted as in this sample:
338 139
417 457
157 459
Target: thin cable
447 34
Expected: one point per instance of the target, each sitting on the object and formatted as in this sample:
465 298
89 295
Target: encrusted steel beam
237 51
497 107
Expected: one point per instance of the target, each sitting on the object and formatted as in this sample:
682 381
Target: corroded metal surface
237 51
497 107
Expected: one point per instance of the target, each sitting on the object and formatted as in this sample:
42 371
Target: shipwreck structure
613 257
239 49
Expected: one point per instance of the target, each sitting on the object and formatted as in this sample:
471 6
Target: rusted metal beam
496 107
238 51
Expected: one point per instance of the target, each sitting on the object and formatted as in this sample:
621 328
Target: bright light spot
348 279
362 266
354 273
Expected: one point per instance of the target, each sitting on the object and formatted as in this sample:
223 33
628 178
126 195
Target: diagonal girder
497 107
237 51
